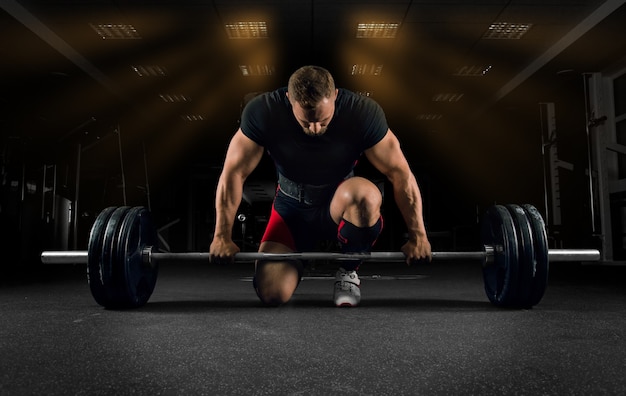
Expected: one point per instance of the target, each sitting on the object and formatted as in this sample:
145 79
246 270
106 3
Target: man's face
314 121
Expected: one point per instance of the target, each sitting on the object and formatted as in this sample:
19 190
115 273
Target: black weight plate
94 256
136 279
111 235
500 276
540 237
526 259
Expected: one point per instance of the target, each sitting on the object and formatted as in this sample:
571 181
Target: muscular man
315 134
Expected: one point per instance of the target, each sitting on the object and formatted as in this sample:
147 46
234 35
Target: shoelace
345 285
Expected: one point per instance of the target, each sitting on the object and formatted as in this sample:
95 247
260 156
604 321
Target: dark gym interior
133 103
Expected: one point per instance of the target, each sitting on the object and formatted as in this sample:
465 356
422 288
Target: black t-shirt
357 124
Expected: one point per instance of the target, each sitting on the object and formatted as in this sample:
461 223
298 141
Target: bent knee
360 191
274 296
357 199
275 283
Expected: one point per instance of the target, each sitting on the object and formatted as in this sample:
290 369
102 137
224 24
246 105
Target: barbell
122 256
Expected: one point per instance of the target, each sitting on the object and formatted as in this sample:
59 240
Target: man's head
312 93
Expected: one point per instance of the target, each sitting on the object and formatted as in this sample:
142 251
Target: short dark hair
309 85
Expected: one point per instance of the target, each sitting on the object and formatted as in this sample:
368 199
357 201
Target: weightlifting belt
308 194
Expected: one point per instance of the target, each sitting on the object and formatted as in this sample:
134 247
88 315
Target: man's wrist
417 235
222 235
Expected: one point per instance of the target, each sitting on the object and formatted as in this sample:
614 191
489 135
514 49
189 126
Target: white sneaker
347 288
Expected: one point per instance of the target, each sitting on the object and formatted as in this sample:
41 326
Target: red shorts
299 226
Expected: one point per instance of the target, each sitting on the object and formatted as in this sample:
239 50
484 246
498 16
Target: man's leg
356 209
275 282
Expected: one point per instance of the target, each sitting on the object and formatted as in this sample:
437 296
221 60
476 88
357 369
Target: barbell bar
149 256
122 256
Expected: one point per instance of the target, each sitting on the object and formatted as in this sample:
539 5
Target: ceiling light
149 71
246 30
174 98
506 31
473 71
113 31
429 117
193 117
256 70
447 97
377 30
366 70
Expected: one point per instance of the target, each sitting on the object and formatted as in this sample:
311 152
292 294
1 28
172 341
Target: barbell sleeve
554 255
574 255
64 257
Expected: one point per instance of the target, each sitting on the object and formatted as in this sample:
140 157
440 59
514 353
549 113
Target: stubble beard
308 132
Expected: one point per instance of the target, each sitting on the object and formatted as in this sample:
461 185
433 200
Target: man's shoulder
263 102
275 97
350 100
351 96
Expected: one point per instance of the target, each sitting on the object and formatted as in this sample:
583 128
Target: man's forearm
409 201
227 200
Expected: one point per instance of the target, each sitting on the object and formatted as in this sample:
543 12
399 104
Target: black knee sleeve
355 239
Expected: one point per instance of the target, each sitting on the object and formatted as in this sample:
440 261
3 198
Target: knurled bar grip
554 255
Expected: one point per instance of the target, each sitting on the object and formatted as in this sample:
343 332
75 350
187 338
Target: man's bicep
243 155
386 155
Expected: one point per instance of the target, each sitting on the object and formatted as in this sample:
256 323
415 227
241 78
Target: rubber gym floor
419 331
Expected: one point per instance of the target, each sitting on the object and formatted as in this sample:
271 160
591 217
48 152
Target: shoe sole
346 303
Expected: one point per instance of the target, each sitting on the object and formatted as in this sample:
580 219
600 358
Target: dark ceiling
61 82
